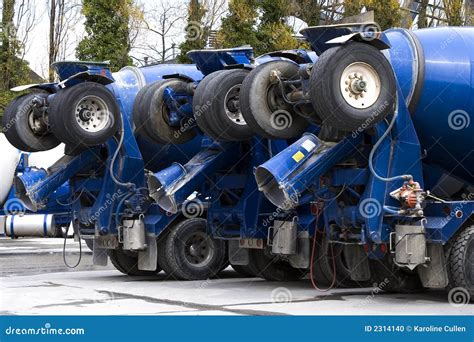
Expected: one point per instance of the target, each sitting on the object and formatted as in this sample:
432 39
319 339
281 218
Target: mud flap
147 259
237 255
357 262
434 274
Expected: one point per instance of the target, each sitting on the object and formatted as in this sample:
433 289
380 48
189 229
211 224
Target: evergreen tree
386 12
14 71
353 7
307 10
196 32
422 19
273 33
239 26
107 28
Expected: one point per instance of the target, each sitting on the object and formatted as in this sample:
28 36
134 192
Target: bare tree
26 20
63 16
215 9
159 29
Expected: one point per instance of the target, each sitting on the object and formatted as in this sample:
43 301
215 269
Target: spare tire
223 115
263 106
153 117
84 115
24 124
352 86
201 107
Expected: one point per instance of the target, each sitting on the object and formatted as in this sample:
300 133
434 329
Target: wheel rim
36 123
360 85
92 114
199 249
232 107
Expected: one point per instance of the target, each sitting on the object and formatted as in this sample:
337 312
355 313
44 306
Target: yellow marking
298 156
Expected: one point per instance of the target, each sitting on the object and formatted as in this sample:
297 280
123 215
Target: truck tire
201 112
461 259
23 129
262 106
224 117
191 253
162 259
154 114
323 267
84 115
274 269
138 121
249 270
127 263
352 86
390 278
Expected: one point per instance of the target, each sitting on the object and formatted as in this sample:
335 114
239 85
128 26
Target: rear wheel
263 104
249 270
390 278
351 86
25 124
224 117
461 261
190 253
201 107
329 258
84 115
154 114
127 263
271 268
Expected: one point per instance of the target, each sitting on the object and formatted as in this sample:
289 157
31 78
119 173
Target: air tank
435 70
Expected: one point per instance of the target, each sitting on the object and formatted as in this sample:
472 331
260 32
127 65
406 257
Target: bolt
274 76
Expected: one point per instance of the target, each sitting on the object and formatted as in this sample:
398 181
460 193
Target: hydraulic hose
377 144
114 157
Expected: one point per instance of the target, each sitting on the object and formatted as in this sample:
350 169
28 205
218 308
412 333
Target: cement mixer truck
351 162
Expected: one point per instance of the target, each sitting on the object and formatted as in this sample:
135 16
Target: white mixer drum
10 158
